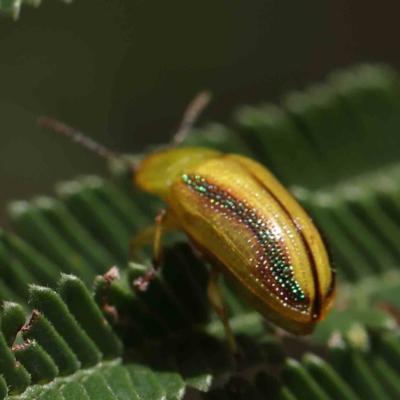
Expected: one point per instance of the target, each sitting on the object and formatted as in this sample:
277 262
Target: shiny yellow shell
249 227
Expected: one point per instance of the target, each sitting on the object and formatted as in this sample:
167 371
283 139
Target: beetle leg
163 221
149 234
215 298
143 238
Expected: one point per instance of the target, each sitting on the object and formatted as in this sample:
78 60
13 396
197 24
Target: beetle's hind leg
217 302
164 221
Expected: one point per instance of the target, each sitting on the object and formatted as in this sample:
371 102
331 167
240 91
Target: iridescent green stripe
272 266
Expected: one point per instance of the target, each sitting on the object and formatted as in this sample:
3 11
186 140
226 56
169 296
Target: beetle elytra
244 223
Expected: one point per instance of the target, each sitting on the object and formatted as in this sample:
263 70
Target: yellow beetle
244 223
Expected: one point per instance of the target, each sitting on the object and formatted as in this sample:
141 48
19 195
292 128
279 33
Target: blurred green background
124 70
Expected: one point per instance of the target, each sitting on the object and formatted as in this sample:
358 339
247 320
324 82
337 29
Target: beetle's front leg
164 221
154 233
217 302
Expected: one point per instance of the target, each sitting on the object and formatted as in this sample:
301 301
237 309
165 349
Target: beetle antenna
192 112
77 137
194 109
82 139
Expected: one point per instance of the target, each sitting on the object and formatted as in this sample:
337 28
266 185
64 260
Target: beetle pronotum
241 219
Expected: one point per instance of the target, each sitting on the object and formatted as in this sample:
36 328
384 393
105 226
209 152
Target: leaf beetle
243 222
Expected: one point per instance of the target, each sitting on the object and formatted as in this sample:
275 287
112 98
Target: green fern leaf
12 8
335 145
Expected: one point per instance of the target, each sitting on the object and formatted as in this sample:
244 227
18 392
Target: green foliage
12 8
336 146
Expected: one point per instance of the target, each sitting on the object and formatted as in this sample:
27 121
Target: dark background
124 70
